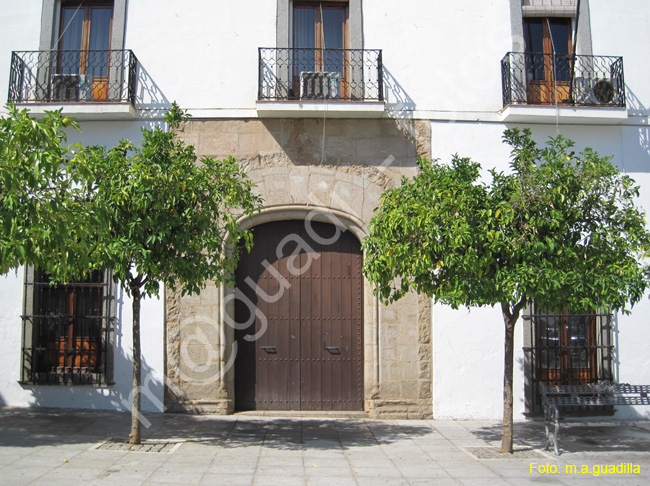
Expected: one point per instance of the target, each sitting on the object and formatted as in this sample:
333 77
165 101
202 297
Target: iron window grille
566 348
530 78
67 330
320 74
73 76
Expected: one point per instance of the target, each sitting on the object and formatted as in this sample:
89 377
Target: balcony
82 82
576 87
343 81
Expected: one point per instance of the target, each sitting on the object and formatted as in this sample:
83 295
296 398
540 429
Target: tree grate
122 445
491 453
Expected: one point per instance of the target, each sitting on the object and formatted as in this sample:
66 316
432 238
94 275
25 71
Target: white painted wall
468 344
444 57
203 56
623 29
20 27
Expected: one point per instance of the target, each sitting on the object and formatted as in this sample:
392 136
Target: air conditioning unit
65 87
71 87
318 85
595 91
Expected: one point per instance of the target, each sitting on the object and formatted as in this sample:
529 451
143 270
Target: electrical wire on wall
322 35
65 29
554 79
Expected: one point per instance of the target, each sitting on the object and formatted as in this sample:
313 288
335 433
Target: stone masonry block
217 144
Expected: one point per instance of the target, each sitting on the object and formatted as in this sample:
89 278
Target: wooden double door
299 315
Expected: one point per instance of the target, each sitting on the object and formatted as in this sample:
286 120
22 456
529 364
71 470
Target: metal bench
591 395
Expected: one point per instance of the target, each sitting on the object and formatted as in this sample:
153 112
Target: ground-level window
566 348
67 330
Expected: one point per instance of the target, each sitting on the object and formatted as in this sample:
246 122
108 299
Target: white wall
203 56
20 27
468 344
623 29
444 55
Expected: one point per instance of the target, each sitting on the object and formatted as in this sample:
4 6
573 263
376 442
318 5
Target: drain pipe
573 56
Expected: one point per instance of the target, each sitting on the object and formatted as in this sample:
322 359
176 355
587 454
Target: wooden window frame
100 83
86 8
547 356
67 330
549 89
320 37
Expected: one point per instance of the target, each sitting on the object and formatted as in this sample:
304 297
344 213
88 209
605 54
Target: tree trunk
135 436
509 356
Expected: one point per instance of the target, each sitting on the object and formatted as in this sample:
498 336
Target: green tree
560 228
40 201
161 217
150 214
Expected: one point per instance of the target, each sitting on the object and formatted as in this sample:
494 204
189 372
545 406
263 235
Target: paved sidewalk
55 447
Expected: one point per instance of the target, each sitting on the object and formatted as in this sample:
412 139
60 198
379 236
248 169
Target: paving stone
331 481
212 479
342 470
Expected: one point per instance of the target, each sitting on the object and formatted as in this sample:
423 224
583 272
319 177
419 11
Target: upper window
66 330
85 27
319 55
321 65
568 348
548 61
83 50
320 25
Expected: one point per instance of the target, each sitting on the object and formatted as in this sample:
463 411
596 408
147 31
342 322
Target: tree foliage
163 217
39 198
560 228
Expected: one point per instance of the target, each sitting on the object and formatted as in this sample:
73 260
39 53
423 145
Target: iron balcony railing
73 76
320 74
563 79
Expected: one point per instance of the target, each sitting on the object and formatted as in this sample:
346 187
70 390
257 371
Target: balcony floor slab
85 111
320 109
581 115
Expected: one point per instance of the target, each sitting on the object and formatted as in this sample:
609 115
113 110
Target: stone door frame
218 395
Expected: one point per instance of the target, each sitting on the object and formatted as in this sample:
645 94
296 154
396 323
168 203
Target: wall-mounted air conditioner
318 85
595 91
71 87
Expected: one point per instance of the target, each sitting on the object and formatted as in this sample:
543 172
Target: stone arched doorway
300 319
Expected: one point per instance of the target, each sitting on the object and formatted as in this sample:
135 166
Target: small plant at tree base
560 228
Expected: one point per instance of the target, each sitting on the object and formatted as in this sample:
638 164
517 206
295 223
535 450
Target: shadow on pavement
610 436
34 427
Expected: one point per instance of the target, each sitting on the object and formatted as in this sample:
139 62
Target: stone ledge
220 407
386 409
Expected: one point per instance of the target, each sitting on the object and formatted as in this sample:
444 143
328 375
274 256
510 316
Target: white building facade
326 105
